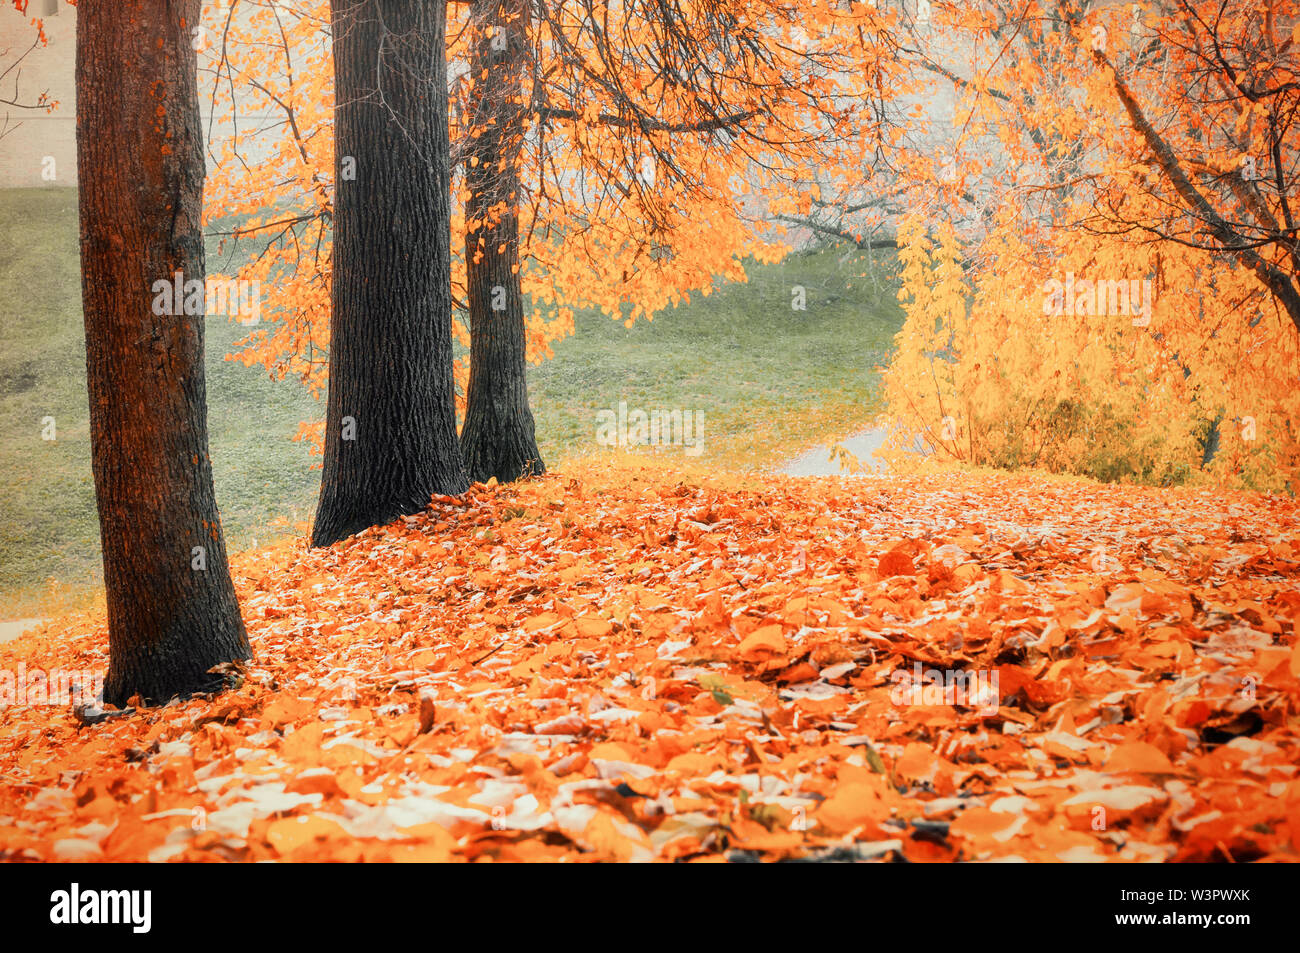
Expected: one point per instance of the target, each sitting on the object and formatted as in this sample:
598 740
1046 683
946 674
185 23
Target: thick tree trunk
172 612
498 437
390 439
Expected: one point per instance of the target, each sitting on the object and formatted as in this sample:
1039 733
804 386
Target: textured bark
140 167
390 373
499 437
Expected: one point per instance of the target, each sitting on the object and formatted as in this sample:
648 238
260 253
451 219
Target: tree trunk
390 440
498 437
172 612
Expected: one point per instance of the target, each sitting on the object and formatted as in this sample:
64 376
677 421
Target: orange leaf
1139 757
762 643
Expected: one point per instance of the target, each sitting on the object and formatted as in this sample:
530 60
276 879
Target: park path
11 630
863 445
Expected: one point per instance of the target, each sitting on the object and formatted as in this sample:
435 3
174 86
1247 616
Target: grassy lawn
48 525
769 380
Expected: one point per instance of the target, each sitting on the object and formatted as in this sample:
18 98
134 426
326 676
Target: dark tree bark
172 612
390 440
498 438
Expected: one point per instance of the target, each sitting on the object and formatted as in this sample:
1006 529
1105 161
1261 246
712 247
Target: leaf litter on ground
613 664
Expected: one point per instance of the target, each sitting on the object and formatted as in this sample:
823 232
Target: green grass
769 380
49 529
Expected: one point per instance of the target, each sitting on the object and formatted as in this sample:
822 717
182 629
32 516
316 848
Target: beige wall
32 135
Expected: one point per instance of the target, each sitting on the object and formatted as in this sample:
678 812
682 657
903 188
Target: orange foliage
1068 307
705 669
597 229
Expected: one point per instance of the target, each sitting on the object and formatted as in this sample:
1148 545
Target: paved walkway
818 462
11 630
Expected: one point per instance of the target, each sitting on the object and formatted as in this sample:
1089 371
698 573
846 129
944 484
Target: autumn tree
1222 154
391 416
498 437
172 611
690 130
652 81
654 140
1098 285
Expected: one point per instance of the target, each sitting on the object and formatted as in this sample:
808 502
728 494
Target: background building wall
31 138
38 148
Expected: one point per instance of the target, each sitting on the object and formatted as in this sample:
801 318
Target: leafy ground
770 381
634 664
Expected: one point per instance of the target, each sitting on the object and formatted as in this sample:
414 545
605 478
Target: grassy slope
48 525
769 380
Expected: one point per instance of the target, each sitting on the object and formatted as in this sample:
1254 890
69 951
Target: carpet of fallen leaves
613 665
